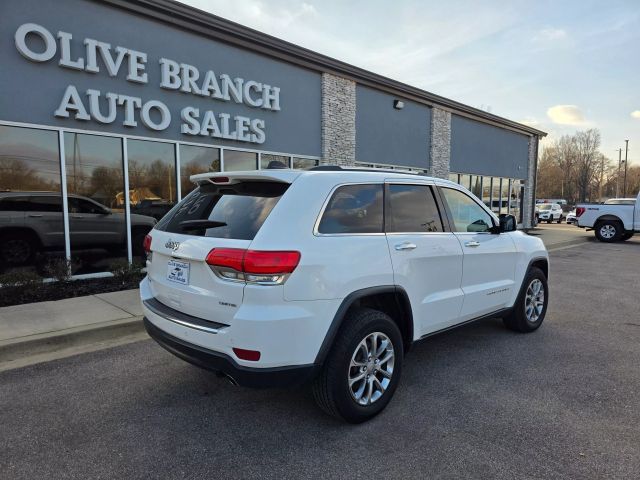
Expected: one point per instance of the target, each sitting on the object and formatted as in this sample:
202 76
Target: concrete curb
22 347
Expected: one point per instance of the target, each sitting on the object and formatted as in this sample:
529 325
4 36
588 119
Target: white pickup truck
610 222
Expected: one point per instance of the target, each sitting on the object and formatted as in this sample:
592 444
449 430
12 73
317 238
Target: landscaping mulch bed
17 295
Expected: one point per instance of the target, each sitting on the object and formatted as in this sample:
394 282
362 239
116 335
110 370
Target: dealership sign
101 58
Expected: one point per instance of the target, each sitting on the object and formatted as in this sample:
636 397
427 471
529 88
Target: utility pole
626 152
618 176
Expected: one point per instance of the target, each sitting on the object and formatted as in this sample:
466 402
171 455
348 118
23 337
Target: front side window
466 214
412 208
354 209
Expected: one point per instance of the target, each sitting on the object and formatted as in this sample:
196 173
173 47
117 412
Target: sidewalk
38 328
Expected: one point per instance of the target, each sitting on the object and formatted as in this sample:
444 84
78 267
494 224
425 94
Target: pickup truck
611 222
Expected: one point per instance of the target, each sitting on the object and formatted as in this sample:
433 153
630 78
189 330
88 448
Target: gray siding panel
390 136
483 149
31 92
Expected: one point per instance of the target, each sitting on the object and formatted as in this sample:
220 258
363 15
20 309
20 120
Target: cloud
566 115
550 35
635 114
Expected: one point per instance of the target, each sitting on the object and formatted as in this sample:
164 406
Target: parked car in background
571 217
243 281
550 212
611 222
32 222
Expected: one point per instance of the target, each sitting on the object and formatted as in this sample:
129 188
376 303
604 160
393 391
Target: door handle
473 243
77 216
405 246
35 215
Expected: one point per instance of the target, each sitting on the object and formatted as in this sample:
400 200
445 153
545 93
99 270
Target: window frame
450 218
325 204
436 197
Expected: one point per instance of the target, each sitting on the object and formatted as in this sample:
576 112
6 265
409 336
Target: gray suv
31 222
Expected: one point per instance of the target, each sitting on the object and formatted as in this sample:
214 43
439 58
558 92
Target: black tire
626 235
331 388
608 231
19 248
550 220
560 219
517 320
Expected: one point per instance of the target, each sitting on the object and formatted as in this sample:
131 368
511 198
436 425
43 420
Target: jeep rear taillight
580 211
146 245
264 267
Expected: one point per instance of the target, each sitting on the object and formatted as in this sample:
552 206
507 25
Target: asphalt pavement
476 402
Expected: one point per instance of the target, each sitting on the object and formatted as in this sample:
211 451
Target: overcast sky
557 66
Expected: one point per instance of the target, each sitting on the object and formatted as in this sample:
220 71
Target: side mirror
507 223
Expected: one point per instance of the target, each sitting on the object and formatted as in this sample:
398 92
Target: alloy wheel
371 368
607 231
534 300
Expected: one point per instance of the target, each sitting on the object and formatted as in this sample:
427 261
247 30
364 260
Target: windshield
544 207
227 211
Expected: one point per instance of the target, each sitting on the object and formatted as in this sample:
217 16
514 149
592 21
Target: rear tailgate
180 278
224 212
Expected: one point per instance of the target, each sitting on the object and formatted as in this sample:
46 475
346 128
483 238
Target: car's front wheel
531 306
362 370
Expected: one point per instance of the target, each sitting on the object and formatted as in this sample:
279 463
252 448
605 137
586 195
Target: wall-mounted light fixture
398 104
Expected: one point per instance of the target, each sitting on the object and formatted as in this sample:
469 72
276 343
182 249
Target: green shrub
20 278
126 272
59 269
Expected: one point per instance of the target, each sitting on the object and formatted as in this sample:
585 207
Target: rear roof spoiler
227 178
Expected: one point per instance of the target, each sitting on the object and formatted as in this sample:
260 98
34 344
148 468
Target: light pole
626 152
618 176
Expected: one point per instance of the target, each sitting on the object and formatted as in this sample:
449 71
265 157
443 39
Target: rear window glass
224 211
354 209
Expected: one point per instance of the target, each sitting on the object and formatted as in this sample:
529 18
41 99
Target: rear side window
224 211
412 208
14 204
354 209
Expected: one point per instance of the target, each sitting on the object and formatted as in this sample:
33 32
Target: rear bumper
275 377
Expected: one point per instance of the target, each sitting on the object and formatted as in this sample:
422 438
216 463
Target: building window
504 196
267 158
236 161
486 191
476 185
152 184
194 160
303 163
95 188
465 181
30 162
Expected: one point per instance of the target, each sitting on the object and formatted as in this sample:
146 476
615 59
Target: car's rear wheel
531 307
17 248
608 231
363 368
560 219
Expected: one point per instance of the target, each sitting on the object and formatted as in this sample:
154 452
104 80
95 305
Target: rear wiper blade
200 224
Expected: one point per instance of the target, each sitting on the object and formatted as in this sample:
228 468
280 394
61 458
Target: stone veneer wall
529 187
440 143
338 120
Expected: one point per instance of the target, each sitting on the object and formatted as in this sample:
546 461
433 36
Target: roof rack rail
338 168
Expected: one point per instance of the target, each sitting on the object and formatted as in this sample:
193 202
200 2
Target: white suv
550 212
330 275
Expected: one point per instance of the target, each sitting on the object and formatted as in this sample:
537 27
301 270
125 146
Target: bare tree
587 144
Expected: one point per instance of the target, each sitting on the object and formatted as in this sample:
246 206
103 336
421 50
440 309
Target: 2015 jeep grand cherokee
278 277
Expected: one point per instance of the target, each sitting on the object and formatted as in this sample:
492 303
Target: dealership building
105 97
